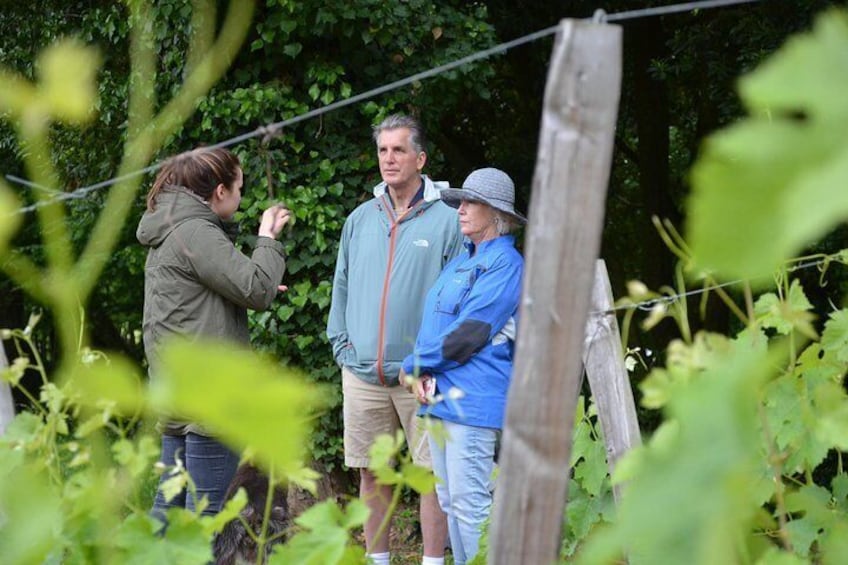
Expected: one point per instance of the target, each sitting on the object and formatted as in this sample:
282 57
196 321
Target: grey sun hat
489 186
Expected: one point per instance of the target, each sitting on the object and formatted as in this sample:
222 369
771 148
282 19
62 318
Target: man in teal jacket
393 247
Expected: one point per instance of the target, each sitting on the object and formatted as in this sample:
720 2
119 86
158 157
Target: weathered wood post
563 242
7 408
603 358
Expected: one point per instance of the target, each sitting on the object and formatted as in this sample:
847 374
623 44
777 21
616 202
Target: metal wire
647 305
599 16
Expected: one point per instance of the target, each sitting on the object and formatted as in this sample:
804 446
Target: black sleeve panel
466 340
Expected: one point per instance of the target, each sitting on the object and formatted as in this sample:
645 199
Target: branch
26 275
139 151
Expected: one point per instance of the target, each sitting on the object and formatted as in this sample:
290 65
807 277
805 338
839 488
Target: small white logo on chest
421 243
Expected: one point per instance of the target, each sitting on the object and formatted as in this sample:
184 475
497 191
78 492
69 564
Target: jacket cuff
263 241
408 364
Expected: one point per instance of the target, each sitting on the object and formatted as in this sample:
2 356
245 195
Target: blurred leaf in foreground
242 398
712 448
775 182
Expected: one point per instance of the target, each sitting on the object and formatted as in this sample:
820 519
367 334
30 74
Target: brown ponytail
199 170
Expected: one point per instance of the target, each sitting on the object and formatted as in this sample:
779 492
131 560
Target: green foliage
733 474
325 537
785 158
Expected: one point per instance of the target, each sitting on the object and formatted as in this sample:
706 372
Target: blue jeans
210 464
464 467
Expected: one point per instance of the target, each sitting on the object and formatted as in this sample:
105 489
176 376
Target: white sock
427 560
379 558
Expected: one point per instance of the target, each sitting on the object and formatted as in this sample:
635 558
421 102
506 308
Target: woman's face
477 221
227 199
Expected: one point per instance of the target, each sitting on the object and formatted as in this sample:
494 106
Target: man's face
400 164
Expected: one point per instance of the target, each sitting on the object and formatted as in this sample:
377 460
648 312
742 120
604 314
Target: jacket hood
174 205
431 189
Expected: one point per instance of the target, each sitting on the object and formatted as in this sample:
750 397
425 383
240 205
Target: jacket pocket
455 291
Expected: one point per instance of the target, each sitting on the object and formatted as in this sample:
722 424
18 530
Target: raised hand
274 220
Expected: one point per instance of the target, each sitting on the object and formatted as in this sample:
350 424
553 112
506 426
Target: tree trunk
650 108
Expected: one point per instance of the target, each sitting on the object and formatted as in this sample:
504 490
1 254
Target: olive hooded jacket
197 284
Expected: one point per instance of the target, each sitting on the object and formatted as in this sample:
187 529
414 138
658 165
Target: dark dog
234 545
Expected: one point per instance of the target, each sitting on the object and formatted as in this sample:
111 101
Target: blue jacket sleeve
490 303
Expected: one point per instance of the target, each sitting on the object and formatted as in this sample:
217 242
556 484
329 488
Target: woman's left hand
419 388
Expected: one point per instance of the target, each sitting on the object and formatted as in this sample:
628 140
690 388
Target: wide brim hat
489 186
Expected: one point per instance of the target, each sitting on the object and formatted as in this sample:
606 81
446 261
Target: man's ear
421 161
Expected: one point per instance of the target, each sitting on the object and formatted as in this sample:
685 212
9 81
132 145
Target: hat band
487 197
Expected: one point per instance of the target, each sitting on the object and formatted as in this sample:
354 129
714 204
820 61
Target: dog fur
234 545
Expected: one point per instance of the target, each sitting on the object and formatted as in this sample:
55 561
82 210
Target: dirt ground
405 538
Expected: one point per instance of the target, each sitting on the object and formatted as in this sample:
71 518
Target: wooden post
7 407
607 374
563 242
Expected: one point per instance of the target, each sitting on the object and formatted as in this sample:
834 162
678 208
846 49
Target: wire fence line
648 305
272 128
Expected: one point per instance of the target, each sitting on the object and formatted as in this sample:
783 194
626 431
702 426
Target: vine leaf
325 536
247 400
784 316
835 336
773 183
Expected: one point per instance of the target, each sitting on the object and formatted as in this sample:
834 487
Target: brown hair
199 170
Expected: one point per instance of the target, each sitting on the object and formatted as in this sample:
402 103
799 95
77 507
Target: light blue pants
464 468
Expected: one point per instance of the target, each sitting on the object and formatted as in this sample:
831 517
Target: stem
777 471
266 517
682 306
731 304
139 150
669 242
389 511
32 399
39 365
626 321
26 275
51 216
749 303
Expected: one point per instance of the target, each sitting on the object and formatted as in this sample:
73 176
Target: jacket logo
421 243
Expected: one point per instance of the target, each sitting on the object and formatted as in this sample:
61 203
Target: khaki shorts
373 410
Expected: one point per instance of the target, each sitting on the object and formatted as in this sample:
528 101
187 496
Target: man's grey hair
397 121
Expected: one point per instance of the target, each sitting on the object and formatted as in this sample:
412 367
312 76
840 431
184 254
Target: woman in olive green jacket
197 284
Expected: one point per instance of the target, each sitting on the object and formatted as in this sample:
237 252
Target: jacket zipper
394 224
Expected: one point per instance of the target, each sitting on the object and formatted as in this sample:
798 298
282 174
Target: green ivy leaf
760 173
293 49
